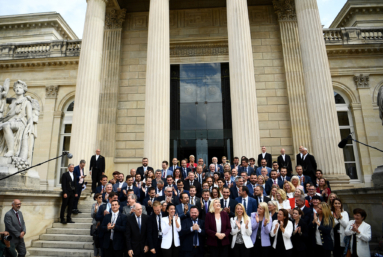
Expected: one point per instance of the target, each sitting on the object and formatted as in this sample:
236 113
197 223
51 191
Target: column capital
114 18
285 9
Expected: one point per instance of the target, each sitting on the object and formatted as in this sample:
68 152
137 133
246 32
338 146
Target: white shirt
145 168
174 167
301 155
192 200
318 238
246 201
97 157
218 224
275 181
304 157
263 155
71 175
283 178
113 221
81 180
159 192
283 157
16 212
227 202
120 184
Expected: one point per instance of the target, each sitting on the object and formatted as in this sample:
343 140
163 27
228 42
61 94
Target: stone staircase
70 239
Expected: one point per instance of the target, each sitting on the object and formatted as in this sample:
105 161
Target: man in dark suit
158 177
264 165
137 233
228 204
192 235
234 190
273 180
144 168
312 194
69 185
307 212
245 167
174 165
283 175
309 165
284 160
15 226
183 209
96 169
259 195
114 227
156 230
235 163
169 197
205 204
200 174
299 156
217 167
303 179
101 188
80 175
129 185
250 204
149 200
184 169
266 156
191 181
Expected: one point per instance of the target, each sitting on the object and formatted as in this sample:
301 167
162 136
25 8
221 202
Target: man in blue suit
129 186
165 171
273 181
174 165
263 166
250 204
114 226
217 167
184 169
283 177
245 167
101 188
303 179
183 209
79 173
234 190
192 235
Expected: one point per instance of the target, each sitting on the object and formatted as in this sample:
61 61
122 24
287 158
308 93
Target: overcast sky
73 11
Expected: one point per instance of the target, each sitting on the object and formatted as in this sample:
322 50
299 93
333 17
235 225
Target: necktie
159 222
163 173
206 207
225 203
244 204
174 168
195 237
18 219
139 223
260 199
192 201
275 181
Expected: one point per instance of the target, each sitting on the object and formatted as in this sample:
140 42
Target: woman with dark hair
177 175
93 213
215 193
341 220
323 189
217 228
281 231
300 234
171 226
359 229
321 227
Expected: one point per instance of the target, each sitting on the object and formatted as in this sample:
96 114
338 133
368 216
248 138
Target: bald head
138 209
16 204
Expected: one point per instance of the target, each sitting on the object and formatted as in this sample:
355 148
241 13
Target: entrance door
200 111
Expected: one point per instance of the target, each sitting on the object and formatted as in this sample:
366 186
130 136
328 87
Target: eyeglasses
100 197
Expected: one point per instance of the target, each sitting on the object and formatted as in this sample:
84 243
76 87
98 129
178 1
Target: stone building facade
291 82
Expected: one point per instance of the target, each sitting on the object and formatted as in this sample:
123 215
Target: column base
337 182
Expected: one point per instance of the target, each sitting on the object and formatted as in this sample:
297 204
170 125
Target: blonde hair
261 176
245 217
275 203
266 211
292 187
328 219
211 207
329 198
295 178
282 193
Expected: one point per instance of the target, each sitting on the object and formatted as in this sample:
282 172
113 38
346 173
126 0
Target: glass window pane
351 170
344 133
68 128
348 153
64 161
187 134
70 107
339 99
343 119
188 91
214 116
66 143
215 134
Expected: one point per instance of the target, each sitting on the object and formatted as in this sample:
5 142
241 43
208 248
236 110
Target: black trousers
338 251
67 202
171 252
283 253
219 250
110 252
321 252
79 190
241 250
158 250
259 250
195 252
96 175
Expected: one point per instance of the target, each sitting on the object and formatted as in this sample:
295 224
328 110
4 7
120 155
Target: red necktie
18 219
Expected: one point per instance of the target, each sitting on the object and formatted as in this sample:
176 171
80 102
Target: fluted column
294 73
323 119
242 81
157 96
110 72
84 128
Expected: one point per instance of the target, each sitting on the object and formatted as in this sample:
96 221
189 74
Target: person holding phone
79 173
300 234
171 226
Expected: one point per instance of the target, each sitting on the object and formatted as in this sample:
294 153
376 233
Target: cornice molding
38 63
285 9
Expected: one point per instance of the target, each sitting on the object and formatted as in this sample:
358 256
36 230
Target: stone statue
380 103
18 126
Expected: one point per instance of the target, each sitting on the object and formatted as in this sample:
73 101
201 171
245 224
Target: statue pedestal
377 177
30 179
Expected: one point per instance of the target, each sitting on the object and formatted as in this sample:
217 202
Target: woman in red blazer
218 228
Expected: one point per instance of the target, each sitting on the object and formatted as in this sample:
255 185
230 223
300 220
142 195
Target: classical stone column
157 96
84 128
110 72
242 81
300 127
323 119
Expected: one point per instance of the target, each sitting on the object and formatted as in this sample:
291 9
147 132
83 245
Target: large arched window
65 133
346 126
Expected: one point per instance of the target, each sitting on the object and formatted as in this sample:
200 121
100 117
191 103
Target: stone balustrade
56 48
352 36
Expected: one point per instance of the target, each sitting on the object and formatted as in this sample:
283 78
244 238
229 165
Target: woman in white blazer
241 232
281 231
170 226
341 220
360 233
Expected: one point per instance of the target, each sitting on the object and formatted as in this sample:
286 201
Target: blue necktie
139 223
195 237
244 204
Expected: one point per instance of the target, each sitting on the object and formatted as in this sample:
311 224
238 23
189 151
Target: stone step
81 220
69 231
65 237
73 225
34 251
85 209
62 244
82 215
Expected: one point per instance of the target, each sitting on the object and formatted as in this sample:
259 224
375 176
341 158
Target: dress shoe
74 211
78 211
63 222
70 221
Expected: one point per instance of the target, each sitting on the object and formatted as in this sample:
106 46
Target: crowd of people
244 208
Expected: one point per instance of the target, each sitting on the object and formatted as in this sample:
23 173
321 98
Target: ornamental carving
285 9
199 50
362 81
114 18
52 91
